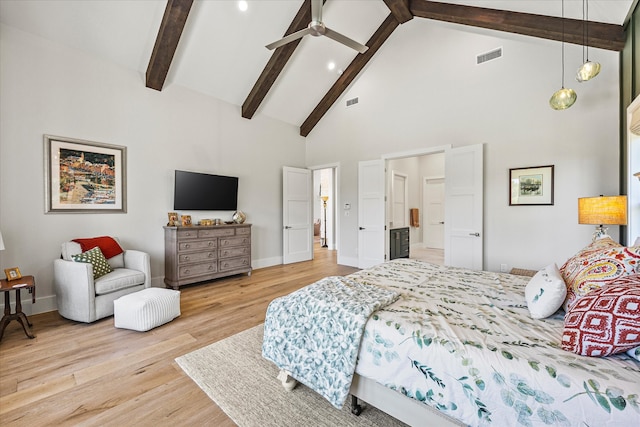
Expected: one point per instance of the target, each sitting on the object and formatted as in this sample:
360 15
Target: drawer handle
226 265
187 246
210 254
244 262
186 258
244 240
186 271
210 267
225 253
210 243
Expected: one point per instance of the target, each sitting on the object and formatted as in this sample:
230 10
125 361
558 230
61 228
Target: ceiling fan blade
288 39
316 10
345 40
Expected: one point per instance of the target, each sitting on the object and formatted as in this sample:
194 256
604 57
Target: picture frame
84 176
531 186
186 220
12 273
173 219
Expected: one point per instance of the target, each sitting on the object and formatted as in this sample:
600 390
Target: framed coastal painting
531 186
84 176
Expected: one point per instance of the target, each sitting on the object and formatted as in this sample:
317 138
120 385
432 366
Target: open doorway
422 207
324 208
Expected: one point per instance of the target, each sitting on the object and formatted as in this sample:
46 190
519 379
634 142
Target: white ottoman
146 309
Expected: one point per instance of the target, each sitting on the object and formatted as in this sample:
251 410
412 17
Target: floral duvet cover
463 342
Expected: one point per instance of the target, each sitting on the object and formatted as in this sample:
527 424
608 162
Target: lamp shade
1 242
611 210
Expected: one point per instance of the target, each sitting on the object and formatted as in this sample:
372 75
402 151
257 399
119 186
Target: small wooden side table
25 282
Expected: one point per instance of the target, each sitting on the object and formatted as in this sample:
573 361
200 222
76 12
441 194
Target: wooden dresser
201 253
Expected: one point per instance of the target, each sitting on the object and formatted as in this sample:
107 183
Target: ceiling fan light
563 99
587 71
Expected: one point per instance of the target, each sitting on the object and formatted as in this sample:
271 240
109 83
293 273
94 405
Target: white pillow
545 292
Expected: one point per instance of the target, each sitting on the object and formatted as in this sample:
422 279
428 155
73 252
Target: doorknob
441 222
474 234
361 228
286 227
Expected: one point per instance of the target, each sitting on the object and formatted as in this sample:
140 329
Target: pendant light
563 98
588 69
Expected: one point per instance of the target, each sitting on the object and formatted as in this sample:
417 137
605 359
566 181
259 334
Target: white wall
50 89
423 89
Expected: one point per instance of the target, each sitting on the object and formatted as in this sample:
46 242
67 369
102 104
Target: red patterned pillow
606 321
596 265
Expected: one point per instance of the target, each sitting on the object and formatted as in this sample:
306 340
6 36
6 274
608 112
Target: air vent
489 56
352 102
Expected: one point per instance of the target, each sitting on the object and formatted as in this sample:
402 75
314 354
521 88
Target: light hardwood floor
97 375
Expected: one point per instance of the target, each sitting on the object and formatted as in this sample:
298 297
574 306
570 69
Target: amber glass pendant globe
587 71
563 99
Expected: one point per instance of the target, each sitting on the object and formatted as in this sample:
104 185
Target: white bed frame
399 406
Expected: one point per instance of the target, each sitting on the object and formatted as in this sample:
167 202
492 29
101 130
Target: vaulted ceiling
214 48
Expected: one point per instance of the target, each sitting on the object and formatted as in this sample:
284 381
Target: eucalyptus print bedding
463 342
315 332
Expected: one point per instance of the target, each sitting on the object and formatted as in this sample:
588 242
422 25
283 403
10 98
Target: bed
462 343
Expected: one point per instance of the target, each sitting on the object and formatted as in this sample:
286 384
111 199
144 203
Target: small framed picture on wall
531 186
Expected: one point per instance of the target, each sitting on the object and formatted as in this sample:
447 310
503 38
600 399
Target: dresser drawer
234 241
222 232
233 252
188 233
197 269
197 257
243 230
197 245
233 263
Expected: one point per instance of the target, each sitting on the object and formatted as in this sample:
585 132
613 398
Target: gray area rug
233 374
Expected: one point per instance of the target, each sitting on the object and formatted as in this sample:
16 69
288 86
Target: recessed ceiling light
243 5
331 65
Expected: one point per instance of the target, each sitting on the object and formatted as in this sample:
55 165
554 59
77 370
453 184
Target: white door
433 213
297 226
463 207
399 200
371 194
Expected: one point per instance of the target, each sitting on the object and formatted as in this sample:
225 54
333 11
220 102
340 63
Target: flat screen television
204 192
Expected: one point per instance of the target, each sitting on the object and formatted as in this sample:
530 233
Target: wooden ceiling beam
400 10
350 73
173 22
276 63
601 35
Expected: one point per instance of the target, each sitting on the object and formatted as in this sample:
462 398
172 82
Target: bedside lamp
601 211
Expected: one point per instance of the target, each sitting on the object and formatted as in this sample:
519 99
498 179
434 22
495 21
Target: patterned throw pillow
606 321
94 256
545 292
599 263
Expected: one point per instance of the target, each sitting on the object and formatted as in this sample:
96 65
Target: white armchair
81 298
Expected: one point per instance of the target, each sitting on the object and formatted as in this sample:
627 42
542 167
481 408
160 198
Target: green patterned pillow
94 256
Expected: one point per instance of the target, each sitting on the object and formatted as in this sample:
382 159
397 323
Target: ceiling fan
317 28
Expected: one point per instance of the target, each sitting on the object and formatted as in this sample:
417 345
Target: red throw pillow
605 321
107 245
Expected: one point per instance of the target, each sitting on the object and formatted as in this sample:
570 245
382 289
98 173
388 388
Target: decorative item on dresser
201 253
